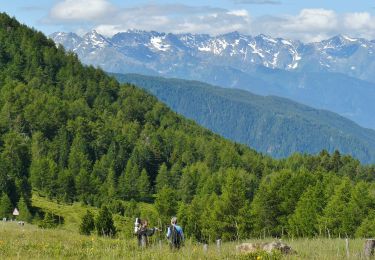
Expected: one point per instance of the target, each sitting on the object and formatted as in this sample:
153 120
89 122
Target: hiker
175 234
143 232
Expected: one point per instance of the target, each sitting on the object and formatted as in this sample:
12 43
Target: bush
104 223
48 221
367 228
87 224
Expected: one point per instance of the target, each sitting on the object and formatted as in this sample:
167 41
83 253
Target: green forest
276 126
72 133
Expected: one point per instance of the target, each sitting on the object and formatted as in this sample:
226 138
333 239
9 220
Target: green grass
31 242
72 213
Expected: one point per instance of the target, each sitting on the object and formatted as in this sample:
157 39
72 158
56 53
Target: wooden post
369 247
205 248
218 244
347 247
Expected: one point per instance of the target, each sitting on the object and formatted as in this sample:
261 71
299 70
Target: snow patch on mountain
349 39
158 52
157 43
256 50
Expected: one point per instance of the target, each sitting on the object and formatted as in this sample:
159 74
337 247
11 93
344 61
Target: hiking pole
159 235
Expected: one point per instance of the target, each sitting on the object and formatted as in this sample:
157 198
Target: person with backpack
175 234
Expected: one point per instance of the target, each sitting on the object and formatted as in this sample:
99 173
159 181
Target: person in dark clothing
143 233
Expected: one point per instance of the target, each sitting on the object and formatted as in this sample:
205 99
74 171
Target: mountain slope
272 125
334 74
73 133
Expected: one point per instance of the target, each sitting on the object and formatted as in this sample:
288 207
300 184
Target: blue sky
307 20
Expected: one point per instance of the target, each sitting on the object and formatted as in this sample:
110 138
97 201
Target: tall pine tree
6 207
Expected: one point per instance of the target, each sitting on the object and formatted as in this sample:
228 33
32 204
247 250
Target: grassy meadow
32 242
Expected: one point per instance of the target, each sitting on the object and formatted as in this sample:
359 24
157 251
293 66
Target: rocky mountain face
334 74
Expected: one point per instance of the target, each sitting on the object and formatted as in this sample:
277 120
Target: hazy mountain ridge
340 54
272 125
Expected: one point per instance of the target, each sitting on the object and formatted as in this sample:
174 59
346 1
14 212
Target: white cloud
177 18
81 10
316 24
308 25
256 2
358 21
312 20
242 12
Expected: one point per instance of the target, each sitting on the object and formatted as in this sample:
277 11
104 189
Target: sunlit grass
31 242
71 213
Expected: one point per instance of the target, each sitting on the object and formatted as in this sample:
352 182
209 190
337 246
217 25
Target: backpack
176 237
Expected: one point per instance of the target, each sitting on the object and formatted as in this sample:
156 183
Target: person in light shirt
175 234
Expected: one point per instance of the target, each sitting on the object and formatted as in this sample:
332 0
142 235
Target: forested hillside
72 133
272 125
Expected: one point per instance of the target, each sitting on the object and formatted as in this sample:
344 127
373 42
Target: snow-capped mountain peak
95 39
165 54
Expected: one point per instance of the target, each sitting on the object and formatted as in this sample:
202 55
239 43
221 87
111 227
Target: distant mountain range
335 74
272 125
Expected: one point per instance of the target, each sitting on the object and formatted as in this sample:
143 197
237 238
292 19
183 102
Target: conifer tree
66 186
143 184
84 185
304 221
360 203
162 179
24 211
336 211
78 159
87 224
265 208
131 209
166 204
232 200
48 221
63 147
130 180
188 183
104 223
40 174
336 163
175 174
6 207
110 186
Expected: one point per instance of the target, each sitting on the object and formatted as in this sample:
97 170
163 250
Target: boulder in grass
283 248
268 247
248 247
